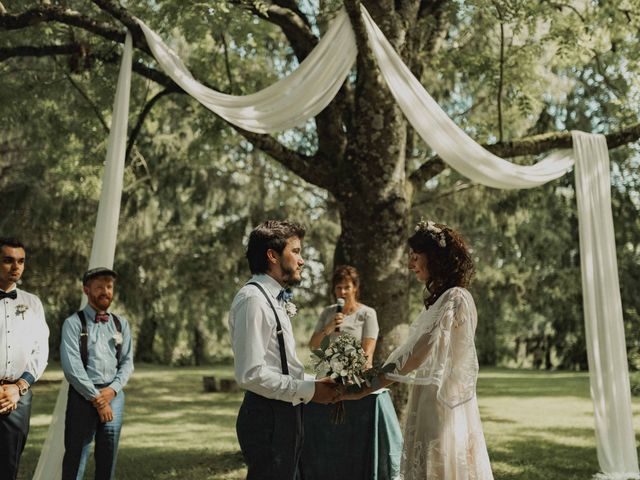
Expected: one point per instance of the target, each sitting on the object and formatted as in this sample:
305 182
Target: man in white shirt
24 350
269 424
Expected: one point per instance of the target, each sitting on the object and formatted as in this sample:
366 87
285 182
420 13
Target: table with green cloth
367 446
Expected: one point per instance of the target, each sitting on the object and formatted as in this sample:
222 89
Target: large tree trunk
146 338
199 345
374 198
373 239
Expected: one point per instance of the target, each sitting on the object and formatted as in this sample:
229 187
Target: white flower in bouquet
343 360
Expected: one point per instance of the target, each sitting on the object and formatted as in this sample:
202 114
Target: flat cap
98 272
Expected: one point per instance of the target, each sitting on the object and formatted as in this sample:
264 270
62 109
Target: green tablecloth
366 447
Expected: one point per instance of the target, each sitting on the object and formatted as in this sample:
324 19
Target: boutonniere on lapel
117 339
21 309
286 295
291 309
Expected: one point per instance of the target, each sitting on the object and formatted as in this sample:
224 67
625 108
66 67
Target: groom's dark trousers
270 433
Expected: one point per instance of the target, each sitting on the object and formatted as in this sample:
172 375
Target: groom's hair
270 235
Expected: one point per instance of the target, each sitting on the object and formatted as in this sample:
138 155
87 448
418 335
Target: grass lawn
538 425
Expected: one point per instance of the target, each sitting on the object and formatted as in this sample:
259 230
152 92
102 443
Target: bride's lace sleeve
440 349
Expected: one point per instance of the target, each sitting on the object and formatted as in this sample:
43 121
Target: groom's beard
289 275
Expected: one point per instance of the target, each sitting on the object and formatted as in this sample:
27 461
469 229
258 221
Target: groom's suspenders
279 332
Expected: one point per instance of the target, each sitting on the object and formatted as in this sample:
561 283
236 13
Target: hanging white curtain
606 348
453 145
285 104
102 251
304 93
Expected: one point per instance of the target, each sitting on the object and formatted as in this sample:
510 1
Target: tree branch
227 63
40 51
143 116
55 13
296 28
458 187
301 165
501 74
77 48
533 145
435 11
93 106
286 15
330 122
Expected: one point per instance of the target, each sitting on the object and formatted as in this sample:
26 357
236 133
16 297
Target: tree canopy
516 75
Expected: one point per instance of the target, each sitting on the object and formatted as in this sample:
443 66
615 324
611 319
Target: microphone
339 308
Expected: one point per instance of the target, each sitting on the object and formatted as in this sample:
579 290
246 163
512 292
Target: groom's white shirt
255 345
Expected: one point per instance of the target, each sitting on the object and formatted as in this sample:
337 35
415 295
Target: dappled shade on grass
538 425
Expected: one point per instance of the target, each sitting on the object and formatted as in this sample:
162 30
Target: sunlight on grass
538 425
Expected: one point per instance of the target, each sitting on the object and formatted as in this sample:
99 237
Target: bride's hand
354 395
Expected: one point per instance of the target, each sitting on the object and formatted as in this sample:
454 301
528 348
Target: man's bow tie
102 317
285 295
13 294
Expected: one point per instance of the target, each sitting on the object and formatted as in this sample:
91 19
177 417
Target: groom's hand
325 392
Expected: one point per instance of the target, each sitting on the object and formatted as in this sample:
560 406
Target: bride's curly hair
448 259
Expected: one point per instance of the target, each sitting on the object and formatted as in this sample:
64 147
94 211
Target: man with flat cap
96 357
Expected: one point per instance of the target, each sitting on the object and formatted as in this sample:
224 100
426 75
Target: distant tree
515 74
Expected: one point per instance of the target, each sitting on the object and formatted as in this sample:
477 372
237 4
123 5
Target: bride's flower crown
434 232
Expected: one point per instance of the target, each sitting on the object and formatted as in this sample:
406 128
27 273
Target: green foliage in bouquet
343 360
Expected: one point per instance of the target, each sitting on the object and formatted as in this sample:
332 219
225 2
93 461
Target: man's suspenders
84 339
279 332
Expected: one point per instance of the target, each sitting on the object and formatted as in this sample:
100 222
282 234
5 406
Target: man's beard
101 302
288 275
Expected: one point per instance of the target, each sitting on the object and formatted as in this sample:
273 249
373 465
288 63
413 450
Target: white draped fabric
285 104
102 251
305 92
606 348
453 145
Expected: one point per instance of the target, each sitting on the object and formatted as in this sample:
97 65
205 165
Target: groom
269 424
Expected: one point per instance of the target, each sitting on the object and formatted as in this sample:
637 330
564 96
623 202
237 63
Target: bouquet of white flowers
344 361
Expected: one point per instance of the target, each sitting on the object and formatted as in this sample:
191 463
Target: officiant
347 315
368 444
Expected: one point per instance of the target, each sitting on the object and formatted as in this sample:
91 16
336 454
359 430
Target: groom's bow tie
285 295
13 294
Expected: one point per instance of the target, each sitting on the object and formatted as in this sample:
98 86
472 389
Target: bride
443 437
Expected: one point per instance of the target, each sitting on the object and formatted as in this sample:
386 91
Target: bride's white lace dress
443 437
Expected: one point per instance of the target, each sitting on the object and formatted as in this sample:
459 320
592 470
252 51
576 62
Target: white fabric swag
306 91
606 348
285 104
102 250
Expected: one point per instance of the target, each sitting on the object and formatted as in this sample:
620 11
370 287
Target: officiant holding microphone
347 315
